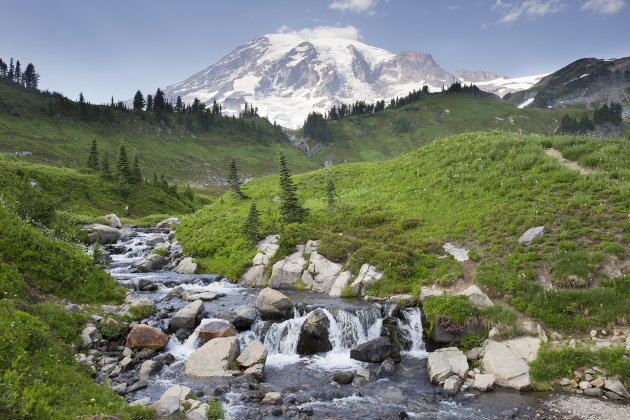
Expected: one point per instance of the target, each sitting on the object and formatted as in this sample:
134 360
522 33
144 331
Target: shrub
141 311
347 292
161 251
215 411
111 332
470 340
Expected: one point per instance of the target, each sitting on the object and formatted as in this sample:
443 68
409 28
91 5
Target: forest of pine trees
603 114
13 73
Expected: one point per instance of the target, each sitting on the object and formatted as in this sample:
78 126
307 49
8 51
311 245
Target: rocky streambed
271 354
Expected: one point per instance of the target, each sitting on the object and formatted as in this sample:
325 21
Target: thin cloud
356 6
347 32
603 7
513 11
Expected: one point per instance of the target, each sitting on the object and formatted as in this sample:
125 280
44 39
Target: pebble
573 406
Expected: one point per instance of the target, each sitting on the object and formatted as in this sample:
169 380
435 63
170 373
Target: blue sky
112 48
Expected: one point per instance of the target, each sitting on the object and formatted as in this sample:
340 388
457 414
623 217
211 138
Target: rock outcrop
367 276
321 274
446 362
314 334
507 361
286 272
476 296
267 248
212 360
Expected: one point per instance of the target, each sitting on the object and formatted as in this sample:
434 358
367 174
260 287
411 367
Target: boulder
186 266
525 348
452 384
367 276
272 398
617 387
169 402
446 362
212 360
152 262
186 317
242 317
483 382
531 234
168 223
460 254
267 248
311 246
114 221
392 395
254 354
509 370
344 377
430 291
314 334
593 392
342 280
273 305
406 299
155 239
373 351
148 368
193 295
216 329
387 368
286 272
476 296
321 274
255 371
101 234
145 337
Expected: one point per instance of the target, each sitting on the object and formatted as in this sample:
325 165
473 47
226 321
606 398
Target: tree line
12 72
603 114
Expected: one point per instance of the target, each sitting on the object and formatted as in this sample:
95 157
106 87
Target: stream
305 382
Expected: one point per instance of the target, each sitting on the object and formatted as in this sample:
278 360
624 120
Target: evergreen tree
290 208
17 77
92 161
138 101
136 174
568 125
616 110
82 105
159 104
179 107
251 227
585 125
30 78
123 171
331 195
106 171
3 69
11 72
188 193
149 103
233 180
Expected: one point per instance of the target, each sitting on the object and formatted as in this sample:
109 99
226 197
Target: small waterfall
281 340
412 329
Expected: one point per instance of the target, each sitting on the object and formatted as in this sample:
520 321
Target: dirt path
568 163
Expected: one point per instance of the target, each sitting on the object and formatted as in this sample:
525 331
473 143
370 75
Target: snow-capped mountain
287 76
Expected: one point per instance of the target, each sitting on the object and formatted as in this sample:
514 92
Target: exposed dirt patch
568 163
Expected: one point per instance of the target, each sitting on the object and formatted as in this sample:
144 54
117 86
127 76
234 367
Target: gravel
585 408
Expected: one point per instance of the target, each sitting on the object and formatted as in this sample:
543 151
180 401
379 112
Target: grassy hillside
479 190
177 146
393 132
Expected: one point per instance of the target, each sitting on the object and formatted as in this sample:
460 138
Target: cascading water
412 329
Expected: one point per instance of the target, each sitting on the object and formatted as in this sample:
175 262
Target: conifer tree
331 195
149 103
136 174
188 193
159 103
3 69
106 171
251 227
138 100
179 106
123 171
92 161
290 208
17 77
233 180
155 179
82 105
11 70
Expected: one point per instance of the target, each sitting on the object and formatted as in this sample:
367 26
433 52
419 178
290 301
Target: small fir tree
331 195
106 171
251 227
138 101
233 180
290 208
123 171
136 174
92 161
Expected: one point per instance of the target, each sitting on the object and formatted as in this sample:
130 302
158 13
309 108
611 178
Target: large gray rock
242 317
152 262
186 317
149 368
212 360
617 387
267 248
460 254
286 272
476 296
446 362
531 234
373 351
100 233
367 276
483 382
525 348
155 239
168 223
254 354
509 370
320 275
273 305
193 295
114 221
340 283
216 329
314 334
452 384
430 291
169 402
186 266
